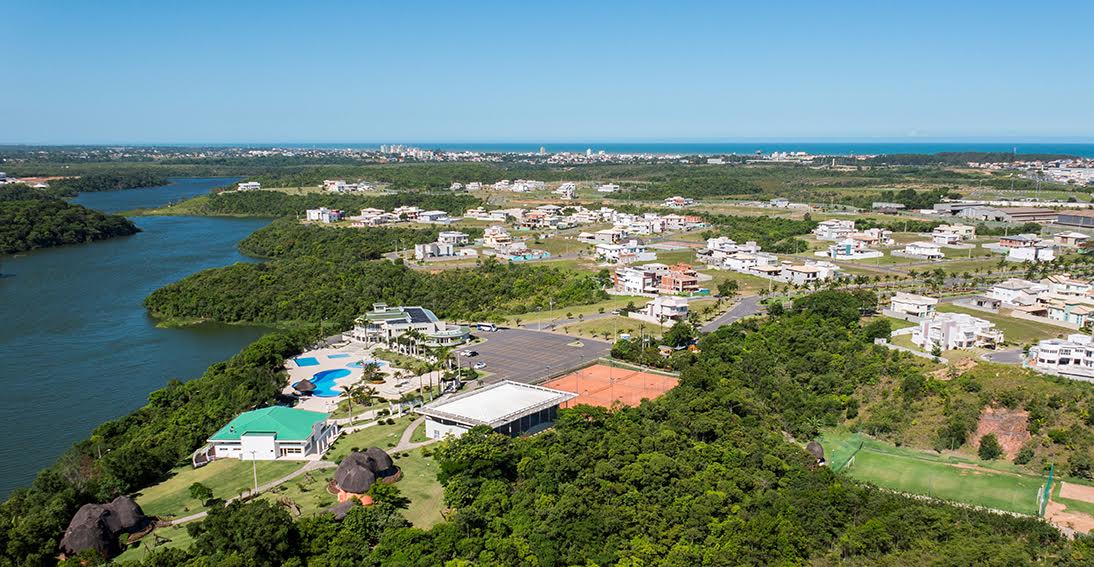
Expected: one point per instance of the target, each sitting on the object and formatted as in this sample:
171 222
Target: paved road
1012 356
529 356
747 306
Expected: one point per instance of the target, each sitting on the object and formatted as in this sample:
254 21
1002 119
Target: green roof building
273 433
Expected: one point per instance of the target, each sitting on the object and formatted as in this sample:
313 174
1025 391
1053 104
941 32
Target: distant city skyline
204 72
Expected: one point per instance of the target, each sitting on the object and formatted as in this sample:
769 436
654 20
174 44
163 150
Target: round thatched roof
97 526
304 386
354 475
816 450
379 460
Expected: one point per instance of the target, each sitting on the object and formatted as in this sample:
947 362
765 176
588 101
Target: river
76 344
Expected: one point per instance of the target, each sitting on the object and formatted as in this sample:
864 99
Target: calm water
76 346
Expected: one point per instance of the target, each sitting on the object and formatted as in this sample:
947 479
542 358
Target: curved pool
324 382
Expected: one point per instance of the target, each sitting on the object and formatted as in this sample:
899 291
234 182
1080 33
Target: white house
1040 252
808 273
663 310
928 250
324 215
1072 357
624 253
850 249
1077 310
385 324
1016 291
509 408
249 186
834 229
607 188
950 234
452 237
434 217
433 250
496 236
270 434
678 202
950 331
912 304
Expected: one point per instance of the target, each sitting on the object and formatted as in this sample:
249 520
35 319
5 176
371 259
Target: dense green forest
129 453
712 473
287 238
110 181
773 234
30 219
313 288
278 204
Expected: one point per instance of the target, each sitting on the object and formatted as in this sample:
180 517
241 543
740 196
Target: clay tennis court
601 385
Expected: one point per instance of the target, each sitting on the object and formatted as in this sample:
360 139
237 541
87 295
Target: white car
480 365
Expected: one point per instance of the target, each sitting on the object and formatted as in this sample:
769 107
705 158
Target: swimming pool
339 355
324 382
306 361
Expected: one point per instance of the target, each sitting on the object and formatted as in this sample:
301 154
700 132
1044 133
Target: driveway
746 307
528 356
1013 356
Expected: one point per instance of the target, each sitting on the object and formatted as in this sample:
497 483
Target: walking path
405 443
310 466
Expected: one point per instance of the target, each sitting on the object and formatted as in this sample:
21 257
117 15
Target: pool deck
343 358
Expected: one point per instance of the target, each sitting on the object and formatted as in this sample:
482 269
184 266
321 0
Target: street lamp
254 470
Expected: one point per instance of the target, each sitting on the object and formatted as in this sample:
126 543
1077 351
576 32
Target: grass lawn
399 360
610 304
671 257
559 246
419 434
747 284
894 323
226 478
969 481
382 436
419 484
161 538
612 325
1015 331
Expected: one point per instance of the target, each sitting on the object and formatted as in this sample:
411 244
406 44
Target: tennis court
604 385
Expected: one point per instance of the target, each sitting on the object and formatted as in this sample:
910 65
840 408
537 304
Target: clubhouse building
270 434
385 324
510 408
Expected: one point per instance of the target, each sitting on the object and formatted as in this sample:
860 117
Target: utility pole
254 470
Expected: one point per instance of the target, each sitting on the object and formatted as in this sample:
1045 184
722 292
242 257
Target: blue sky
137 72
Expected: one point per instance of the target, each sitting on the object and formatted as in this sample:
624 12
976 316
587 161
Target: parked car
469 353
480 365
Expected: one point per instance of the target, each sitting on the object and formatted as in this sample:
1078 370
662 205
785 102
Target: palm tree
362 394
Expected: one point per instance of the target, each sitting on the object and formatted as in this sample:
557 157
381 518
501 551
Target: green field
226 478
967 481
382 436
161 538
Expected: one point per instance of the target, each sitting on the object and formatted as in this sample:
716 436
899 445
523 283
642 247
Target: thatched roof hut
304 386
354 474
816 450
340 509
97 526
379 461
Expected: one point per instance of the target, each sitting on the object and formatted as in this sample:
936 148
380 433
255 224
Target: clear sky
80 71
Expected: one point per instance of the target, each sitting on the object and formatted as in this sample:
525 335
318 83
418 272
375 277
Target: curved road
748 305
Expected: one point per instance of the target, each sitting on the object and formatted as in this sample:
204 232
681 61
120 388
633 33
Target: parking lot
531 356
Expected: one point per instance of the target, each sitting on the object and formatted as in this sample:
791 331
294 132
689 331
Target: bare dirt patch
1011 427
1057 514
1079 492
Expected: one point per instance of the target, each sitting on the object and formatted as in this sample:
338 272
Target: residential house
249 186
663 310
1072 357
1016 291
325 215
850 249
434 217
678 202
607 188
809 273
496 236
912 304
949 331
1071 239
1077 310
928 250
1039 252
452 237
407 212
624 253
834 229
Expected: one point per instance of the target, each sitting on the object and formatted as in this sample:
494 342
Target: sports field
604 385
929 474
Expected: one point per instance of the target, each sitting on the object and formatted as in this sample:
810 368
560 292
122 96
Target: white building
433 250
678 202
452 237
912 304
834 229
928 250
509 408
496 236
607 188
808 273
950 234
270 434
1040 252
324 215
1072 357
850 249
949 331
249 186
386 324
624 253
434 217
1016 291
1071 239
663 310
